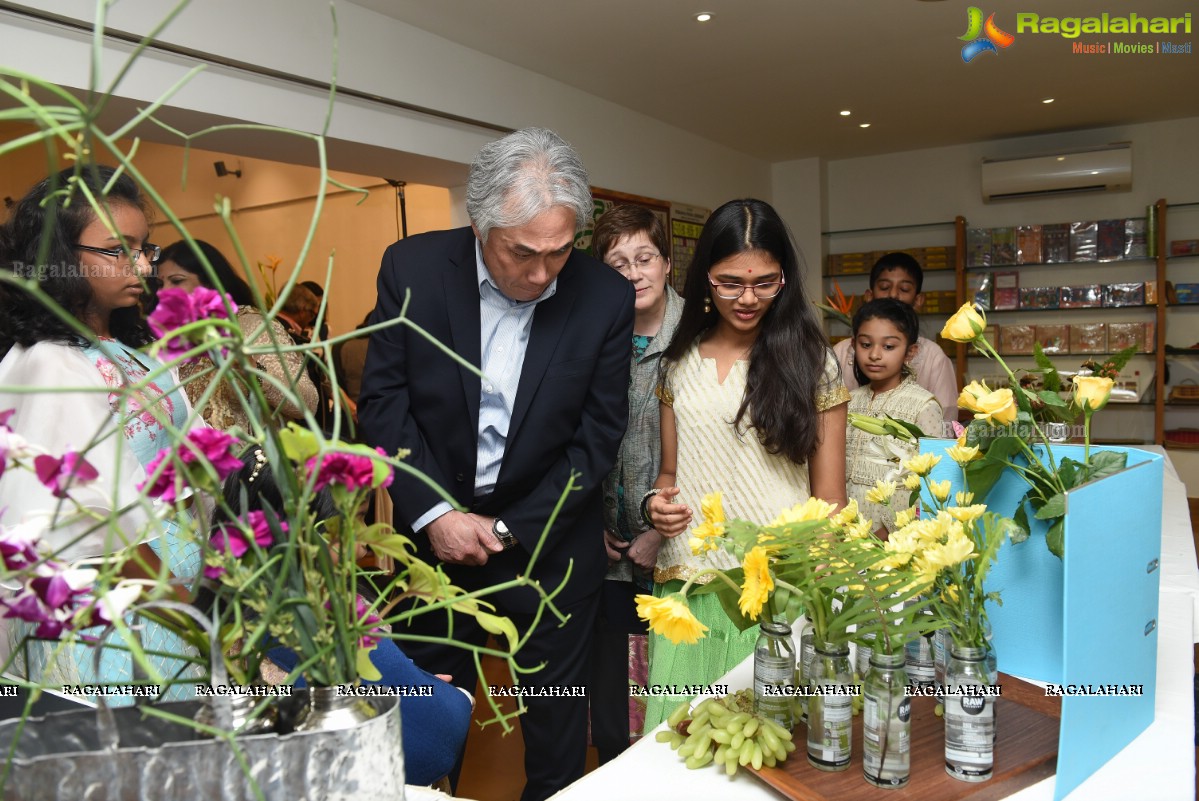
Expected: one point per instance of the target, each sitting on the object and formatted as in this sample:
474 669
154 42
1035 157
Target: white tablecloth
1159 765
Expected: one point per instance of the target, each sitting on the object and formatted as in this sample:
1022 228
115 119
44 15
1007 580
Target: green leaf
897 426
495 624
1120 359
366 668
1105 463
1051 398
1055 538
1054 507
299 444
1068 472
1052 379
982 474
1019 530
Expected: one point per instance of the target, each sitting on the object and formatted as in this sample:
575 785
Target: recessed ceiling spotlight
1047 100
704 17
863 125
845 113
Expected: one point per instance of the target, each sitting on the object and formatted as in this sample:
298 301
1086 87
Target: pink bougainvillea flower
58 474
232 540
349 470
177 308
215 446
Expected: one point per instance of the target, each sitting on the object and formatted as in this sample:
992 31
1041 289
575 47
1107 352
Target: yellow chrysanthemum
967 513
859 529
905 516
758 582
950 594
940 489
712 507
964 454
671 618
962 440
963 498
811 509
923 464
881 492
912 481
847 514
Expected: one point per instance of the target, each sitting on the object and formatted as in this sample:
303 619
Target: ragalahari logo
991 38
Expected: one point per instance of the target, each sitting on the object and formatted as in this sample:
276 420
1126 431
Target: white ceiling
768 77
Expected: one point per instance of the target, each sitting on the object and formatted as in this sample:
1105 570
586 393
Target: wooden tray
1025 753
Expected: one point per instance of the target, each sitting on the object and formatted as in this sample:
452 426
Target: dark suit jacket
570 413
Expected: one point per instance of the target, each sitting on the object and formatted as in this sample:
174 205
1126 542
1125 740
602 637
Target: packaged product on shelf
1150 293
942 301
978 247
1006 291
1184 247
849 263
1084 240
1186 293
1135 243
1088 338
1123 335
1054 338
1055 243
979 286
1039 297
1124 294
1003 246
1028 244
1086 296
939 257
1150 337
1016 340
1111 240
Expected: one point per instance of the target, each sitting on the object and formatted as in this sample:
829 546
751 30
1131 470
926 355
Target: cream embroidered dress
714 456
870 458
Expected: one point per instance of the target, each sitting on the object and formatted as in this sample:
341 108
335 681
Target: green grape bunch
726 732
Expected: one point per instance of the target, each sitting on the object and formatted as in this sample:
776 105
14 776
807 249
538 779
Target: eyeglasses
764 291
151 252
642 264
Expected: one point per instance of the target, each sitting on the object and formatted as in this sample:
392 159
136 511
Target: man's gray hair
528 172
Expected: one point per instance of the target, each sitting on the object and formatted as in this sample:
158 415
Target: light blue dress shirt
504 328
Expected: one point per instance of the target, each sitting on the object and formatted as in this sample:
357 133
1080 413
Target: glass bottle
921 667
969 715
942 640
830 707
806 650
865 648
886 722
774 673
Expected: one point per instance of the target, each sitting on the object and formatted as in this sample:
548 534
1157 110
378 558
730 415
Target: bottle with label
969 715
830 707
806 650
774 673
921 666
886 722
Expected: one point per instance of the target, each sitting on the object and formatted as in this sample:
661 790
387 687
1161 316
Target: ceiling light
1047 100
845 113
863 125
704 17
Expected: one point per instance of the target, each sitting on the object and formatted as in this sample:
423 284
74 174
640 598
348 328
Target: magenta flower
232 539
177 308
364 617
51 598
4 417
215 446
58 474
18 546
347 469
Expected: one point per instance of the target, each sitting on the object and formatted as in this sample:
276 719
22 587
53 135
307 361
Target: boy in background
899 276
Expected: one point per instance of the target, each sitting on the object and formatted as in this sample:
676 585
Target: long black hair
894 311
787 361
39 240
234 285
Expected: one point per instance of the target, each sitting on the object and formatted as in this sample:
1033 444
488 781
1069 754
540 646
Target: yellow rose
712 507
973 390
911 481
940 489
758 583
923 464
671 618
964 454
881 492
997 408
967 513
966 325
1091 392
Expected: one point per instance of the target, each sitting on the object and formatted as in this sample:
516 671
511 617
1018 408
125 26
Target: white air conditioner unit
1098 170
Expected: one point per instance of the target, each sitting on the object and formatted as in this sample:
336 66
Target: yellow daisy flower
758 582
923 464
881 492
912 481
940 489
671 618
963 498
967 513
712 507
964 454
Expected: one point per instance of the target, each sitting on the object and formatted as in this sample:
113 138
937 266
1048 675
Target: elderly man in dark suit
550 328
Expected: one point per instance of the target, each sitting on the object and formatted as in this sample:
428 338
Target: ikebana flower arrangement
1010 429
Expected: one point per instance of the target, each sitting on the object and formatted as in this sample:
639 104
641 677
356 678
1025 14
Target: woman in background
631 240
753 406
180 267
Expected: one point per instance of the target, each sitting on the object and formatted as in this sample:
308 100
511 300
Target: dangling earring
707 304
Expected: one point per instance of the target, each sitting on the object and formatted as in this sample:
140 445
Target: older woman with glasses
91 258
753 406
632 240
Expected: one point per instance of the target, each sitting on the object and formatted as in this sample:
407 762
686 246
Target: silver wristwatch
503 534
